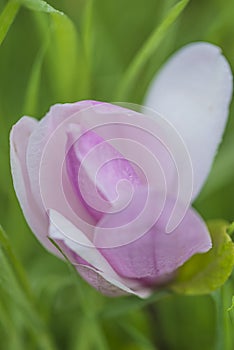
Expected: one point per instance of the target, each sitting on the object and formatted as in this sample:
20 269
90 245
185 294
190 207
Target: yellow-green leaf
204 273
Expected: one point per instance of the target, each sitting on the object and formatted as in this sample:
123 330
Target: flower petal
41 135
36 218
153 258
98 280
45 158
96 168
63 230
193 91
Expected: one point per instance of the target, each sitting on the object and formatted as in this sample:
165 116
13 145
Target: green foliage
204 273
106 50
13 283
147 51
65 55
40 5
224 317
32 91
7 17
230 229
66 60
232 306
121 307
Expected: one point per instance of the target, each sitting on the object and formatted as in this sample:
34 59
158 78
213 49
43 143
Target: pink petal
45 162
133 221
155 257
96 169
152 144
147 143
36 218
98 280
41 136
88 260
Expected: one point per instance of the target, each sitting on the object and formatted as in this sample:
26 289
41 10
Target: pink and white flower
106 182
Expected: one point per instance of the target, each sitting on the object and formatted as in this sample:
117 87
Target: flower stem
223 339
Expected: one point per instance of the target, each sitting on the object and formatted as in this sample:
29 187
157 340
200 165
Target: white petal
193 91
63 229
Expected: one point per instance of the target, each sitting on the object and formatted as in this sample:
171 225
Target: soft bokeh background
44 60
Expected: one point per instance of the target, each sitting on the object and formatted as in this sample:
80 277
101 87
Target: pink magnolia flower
104 181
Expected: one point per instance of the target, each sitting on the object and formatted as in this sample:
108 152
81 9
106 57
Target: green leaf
7 17
67 66
204 273
31 97
66 59
40 5
148 50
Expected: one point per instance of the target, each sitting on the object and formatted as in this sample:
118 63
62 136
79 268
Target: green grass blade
8 325
147 51
31 96
15 264
7 17
87 41
13 282
40 5
67 64
223 327
65 57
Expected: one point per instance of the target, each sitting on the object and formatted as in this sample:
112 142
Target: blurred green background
46 58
